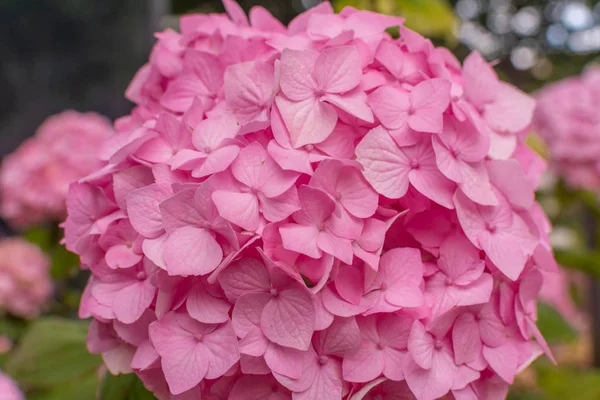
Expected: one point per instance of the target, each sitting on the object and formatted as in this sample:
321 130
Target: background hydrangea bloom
9 389
34 180
25 284
567 119
325 209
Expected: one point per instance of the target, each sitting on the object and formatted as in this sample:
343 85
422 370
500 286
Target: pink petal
191 251
327 383
465 339
309 121
288 319
503 360
431 384
183 362
336 246
481 81
353 102
390 105
301 239
138 297
238 208
254 343
221 350
244 276
181 92
342 338
279 208
297 81
143 209
247 312
216 161
285 360
210 133
235 12
122 256
386 168
365 365
512 110
337 69
206 308
248 88
256 169
421 346
350 284
261 19
290 159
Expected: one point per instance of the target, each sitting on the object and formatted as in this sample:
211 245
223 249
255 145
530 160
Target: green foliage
569 383
64 263
123 387
51 354
41 236
431 18
85 387
554 328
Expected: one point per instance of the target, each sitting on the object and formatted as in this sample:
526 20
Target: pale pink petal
365 365
503 360
238 208
279 208
353 102
465 339
511 111
204 307
143 209
216 161
297 81
481 82
386 168
309 121
191 251
390 105
301 239
289 318
244 276
285 360
336 246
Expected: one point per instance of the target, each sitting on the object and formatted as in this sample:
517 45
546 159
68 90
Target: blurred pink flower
34 180
9 389
567 119
25 284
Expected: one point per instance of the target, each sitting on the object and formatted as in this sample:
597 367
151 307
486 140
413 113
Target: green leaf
123 387
554 328
432 18
41 236
64 263
52 352
569 383
582 260
429 17
83 388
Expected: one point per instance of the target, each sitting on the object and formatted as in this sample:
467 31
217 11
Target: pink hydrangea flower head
34 180
567 121
25 283
9 389
317 211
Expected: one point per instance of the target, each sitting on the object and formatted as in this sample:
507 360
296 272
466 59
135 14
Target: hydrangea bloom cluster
567 119
25 284
34 180
9 389
317 211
